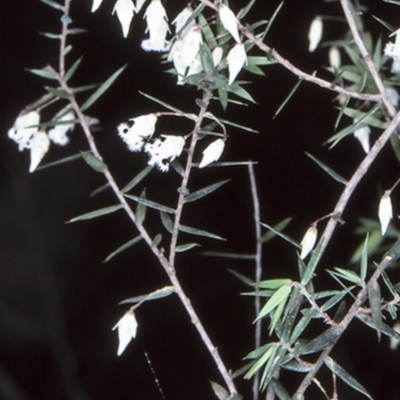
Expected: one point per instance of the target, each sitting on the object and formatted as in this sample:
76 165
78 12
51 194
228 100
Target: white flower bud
157 26
39 144
137 130
127 327
315 33
385 212
96 4
217 55
58 134
393 49
22 130
229 21
308 242
362 135
196 66
125 10
181 20
164 150
139 5
212 152
236 59
393 95
334 57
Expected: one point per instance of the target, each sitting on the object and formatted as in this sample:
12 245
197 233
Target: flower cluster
26 133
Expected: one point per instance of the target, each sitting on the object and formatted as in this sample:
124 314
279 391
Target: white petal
196 66
212 152
157 25
217 55
40 144
127 327
164 150
393 95
334 57
125 10
181 20
308 242
229 21
385 212
236 59
96 4
58 134
22 132
362 135
315 33
139 5
395 66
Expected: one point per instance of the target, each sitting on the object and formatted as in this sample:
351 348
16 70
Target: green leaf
67 50
348 275
100 189
185 247
167 221
43 100
137 179
94 162
276 316
279 390
375 302
219 391
288 97
328 170
157 240
61 161
308 315
312 264
280 234
51 35
177 166
273 283
57 92
141 209
386 329
242 277
345 376
224 254
199 232
235 125
367 117
76 31
53 4
122 248
269 351
151 204
44 73
364 260
278 227
102 89
169 107
68 75
157 294
319 343
230 164
241 92
198 194
97 213
280 296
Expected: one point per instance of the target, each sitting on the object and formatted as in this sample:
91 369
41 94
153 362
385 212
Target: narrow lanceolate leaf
280 234
185 247
167 221
141 209
273 283
312 264
68 75
328 170
279 390
276 299
137 179
61 161
345 376
157 294
199 232
198 194
261 361
375 302
288 97
44 73
57 92
53 4
94 162
278 227
219 391
157 240
96 213
151 204
101 90
364 260
319 343
123 247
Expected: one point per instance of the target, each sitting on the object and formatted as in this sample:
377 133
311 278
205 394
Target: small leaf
44 73
167 221
223 254
328 170
288 97
345 376
137 179
280 296
279 390
270 350
51 35
141 209
242 277
76 31
375 302
157 240
219 391
61 161
199 232
319 343
151 204
97 213
198 194
283 236
68 75
157 294
57 92
348 275
53 4
185 247
94 162
100 91
273 283
278 227
312 264
364 260
123 247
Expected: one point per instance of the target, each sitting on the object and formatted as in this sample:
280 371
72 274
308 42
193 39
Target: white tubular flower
164 150
236 59
362 135
212 152
127 327
96 4
217 55
308 242
125 10
157 25
181 20
393 49
385 212
229 21
395 67
393 95
21 132
334 57
315 33
196 66
39 144
137 130
58 134
139 5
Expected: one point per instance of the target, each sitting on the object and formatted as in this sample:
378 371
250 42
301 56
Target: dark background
58 301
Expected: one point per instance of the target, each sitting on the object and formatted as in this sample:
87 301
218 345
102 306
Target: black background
58 301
